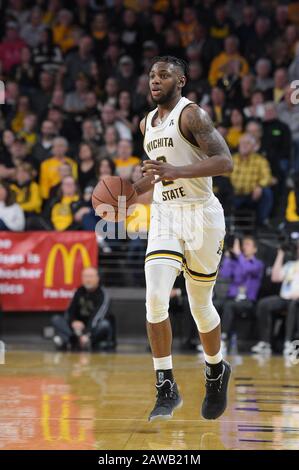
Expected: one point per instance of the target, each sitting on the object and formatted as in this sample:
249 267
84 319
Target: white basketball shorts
187 236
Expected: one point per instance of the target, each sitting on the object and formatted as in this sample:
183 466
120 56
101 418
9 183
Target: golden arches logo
68 258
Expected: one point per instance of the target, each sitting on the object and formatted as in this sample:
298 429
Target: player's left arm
196 123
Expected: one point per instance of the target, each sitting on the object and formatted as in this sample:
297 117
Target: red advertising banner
41 270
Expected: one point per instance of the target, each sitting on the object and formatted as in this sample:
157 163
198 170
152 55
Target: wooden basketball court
77 401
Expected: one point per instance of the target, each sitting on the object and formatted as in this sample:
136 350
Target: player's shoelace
214 386
165 393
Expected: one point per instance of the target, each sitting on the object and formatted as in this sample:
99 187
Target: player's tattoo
207 137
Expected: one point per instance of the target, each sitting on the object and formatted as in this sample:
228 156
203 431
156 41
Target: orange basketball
111 198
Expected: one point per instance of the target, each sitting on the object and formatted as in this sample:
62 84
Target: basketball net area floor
102 401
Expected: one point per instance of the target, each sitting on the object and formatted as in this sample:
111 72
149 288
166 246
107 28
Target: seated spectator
90 134
125 113
61 211
64 31
235 130
87 323
10 47
256 109
280 84
75 101
86 165
245 273
111 138
264 81
45 55
109 118
28 131
41 97
11 215
276 142
27 190
288 112
49 174
230 54
287 303
125 161
251 179
7 169
187 26
292 207
77 62
43 146
24 72
22 110
218 106
126 74
31 31
105 167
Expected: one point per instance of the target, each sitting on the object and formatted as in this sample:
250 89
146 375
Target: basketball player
185 151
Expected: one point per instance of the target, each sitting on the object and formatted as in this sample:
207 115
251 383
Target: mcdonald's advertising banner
41 270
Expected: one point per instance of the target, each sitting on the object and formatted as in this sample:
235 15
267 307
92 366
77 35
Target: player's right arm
144 184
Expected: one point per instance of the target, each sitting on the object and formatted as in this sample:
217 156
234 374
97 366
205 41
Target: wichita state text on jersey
166 142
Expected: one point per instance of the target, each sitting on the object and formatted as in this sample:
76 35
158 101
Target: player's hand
163 170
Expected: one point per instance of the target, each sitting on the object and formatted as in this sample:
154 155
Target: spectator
288 112
105 167
276 141
224 59
109 118
245 273
43 146
22 110
31 32
258 45
263 71
6 165
218 106
42 97
49 174
78 62
60 212
125 161
126 76
11 215
63 30
10 47
251 179
87 323
75 101
236 129
27 190
285 303
280 84
86 167
109 149
24 72
125 113
28 132
46 56
90 134
187 26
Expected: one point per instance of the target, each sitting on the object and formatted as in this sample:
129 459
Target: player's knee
206 317
156 307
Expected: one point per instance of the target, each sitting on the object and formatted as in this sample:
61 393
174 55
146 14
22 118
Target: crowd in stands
76 87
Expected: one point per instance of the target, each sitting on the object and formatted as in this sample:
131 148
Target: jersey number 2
165 183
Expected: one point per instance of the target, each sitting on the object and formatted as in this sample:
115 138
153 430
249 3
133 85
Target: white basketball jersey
165 142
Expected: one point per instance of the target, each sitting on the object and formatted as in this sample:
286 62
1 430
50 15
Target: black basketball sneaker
168 399
215 401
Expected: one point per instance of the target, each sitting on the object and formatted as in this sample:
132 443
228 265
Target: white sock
162 363
213 359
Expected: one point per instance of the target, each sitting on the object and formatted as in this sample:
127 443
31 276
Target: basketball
106 194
